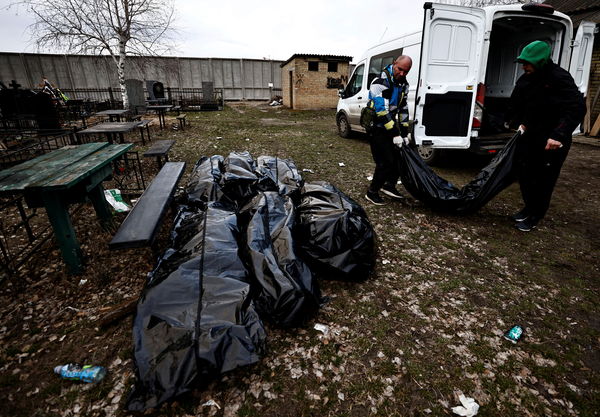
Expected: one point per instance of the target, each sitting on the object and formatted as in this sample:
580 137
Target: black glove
403 131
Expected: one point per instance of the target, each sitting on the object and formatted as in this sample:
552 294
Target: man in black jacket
547 107
388 94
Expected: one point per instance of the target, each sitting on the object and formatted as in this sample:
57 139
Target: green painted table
62 177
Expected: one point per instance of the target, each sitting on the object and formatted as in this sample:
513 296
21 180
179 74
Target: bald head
401 67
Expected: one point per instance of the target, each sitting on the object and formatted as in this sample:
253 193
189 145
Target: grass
450 287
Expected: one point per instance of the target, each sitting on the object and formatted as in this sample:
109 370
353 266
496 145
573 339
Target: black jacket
548 103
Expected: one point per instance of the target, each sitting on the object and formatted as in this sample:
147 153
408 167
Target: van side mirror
342 93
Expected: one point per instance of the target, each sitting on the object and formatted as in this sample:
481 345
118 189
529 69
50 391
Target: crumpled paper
469 407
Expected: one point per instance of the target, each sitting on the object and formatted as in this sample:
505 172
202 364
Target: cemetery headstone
135 92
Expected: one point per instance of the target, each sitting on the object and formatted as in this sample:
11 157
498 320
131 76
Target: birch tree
118 27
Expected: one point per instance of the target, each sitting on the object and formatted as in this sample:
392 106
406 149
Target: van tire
343 126
431 156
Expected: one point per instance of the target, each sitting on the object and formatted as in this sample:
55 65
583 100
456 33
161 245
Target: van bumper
489 145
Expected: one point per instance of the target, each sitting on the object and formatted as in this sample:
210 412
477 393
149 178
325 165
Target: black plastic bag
435 192
203 185
284 291
334 233
194 318
281 175
239 178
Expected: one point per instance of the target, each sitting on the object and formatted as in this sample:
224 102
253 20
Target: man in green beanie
547 107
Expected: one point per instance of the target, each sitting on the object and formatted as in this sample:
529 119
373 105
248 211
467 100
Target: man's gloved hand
398 141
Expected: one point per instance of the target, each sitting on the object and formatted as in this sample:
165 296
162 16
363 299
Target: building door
291 89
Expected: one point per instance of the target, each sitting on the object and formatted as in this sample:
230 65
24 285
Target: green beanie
536 53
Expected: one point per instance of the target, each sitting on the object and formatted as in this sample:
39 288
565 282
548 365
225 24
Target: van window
379 62
355 83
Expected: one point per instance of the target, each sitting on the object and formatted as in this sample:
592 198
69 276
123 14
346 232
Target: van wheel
430 155
343 126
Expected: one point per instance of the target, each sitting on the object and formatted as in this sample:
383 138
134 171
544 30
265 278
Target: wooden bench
181 119
160 149
141 225
144 124
135 118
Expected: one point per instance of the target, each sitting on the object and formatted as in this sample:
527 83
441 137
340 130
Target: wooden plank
141 225
45 166
57 154
117 312
596 128
83 168
110 127
160 148
587 118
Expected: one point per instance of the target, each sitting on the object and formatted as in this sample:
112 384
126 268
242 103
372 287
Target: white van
463 76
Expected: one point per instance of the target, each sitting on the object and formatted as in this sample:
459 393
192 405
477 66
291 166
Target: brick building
310 81
588 10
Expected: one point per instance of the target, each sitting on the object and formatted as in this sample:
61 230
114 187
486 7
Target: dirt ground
424 328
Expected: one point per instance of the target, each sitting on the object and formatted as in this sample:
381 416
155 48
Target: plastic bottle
85 373
514 334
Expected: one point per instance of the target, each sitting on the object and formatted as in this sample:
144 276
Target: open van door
581 55
450 67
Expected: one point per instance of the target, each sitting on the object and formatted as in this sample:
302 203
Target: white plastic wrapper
469 407
116 201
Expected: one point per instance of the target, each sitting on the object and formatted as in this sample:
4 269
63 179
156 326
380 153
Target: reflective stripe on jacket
389 99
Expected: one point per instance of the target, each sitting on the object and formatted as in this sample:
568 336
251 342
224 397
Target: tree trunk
121 73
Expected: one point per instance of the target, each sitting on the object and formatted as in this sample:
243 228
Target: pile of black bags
249 241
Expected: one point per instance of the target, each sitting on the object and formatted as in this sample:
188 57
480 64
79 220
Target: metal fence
23 147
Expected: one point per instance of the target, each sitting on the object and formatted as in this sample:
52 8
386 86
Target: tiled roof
578 10
331 58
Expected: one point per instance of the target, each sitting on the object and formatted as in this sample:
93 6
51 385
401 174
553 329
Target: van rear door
451 59
581 55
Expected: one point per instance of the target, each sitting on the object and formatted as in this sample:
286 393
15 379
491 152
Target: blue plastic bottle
514 334
85 373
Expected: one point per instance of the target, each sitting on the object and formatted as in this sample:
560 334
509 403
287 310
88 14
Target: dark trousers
382 149
537 171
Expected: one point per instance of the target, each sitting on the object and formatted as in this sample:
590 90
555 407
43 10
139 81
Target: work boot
520 215
374 198
391 191
528 224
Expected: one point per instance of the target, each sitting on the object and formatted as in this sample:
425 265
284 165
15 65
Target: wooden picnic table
161 110
62 177
114 115
111 130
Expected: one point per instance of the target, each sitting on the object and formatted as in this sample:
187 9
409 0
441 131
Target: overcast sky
272 29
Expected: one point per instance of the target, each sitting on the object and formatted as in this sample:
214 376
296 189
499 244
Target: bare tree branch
120 28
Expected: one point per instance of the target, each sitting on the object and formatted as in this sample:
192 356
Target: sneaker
391 191
528 224
374 198
520 215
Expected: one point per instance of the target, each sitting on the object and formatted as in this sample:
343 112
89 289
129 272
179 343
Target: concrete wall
239 78
312 89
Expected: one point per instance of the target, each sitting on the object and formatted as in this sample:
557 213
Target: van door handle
360 98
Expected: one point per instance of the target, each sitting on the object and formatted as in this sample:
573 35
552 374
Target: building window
313 65
332 67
